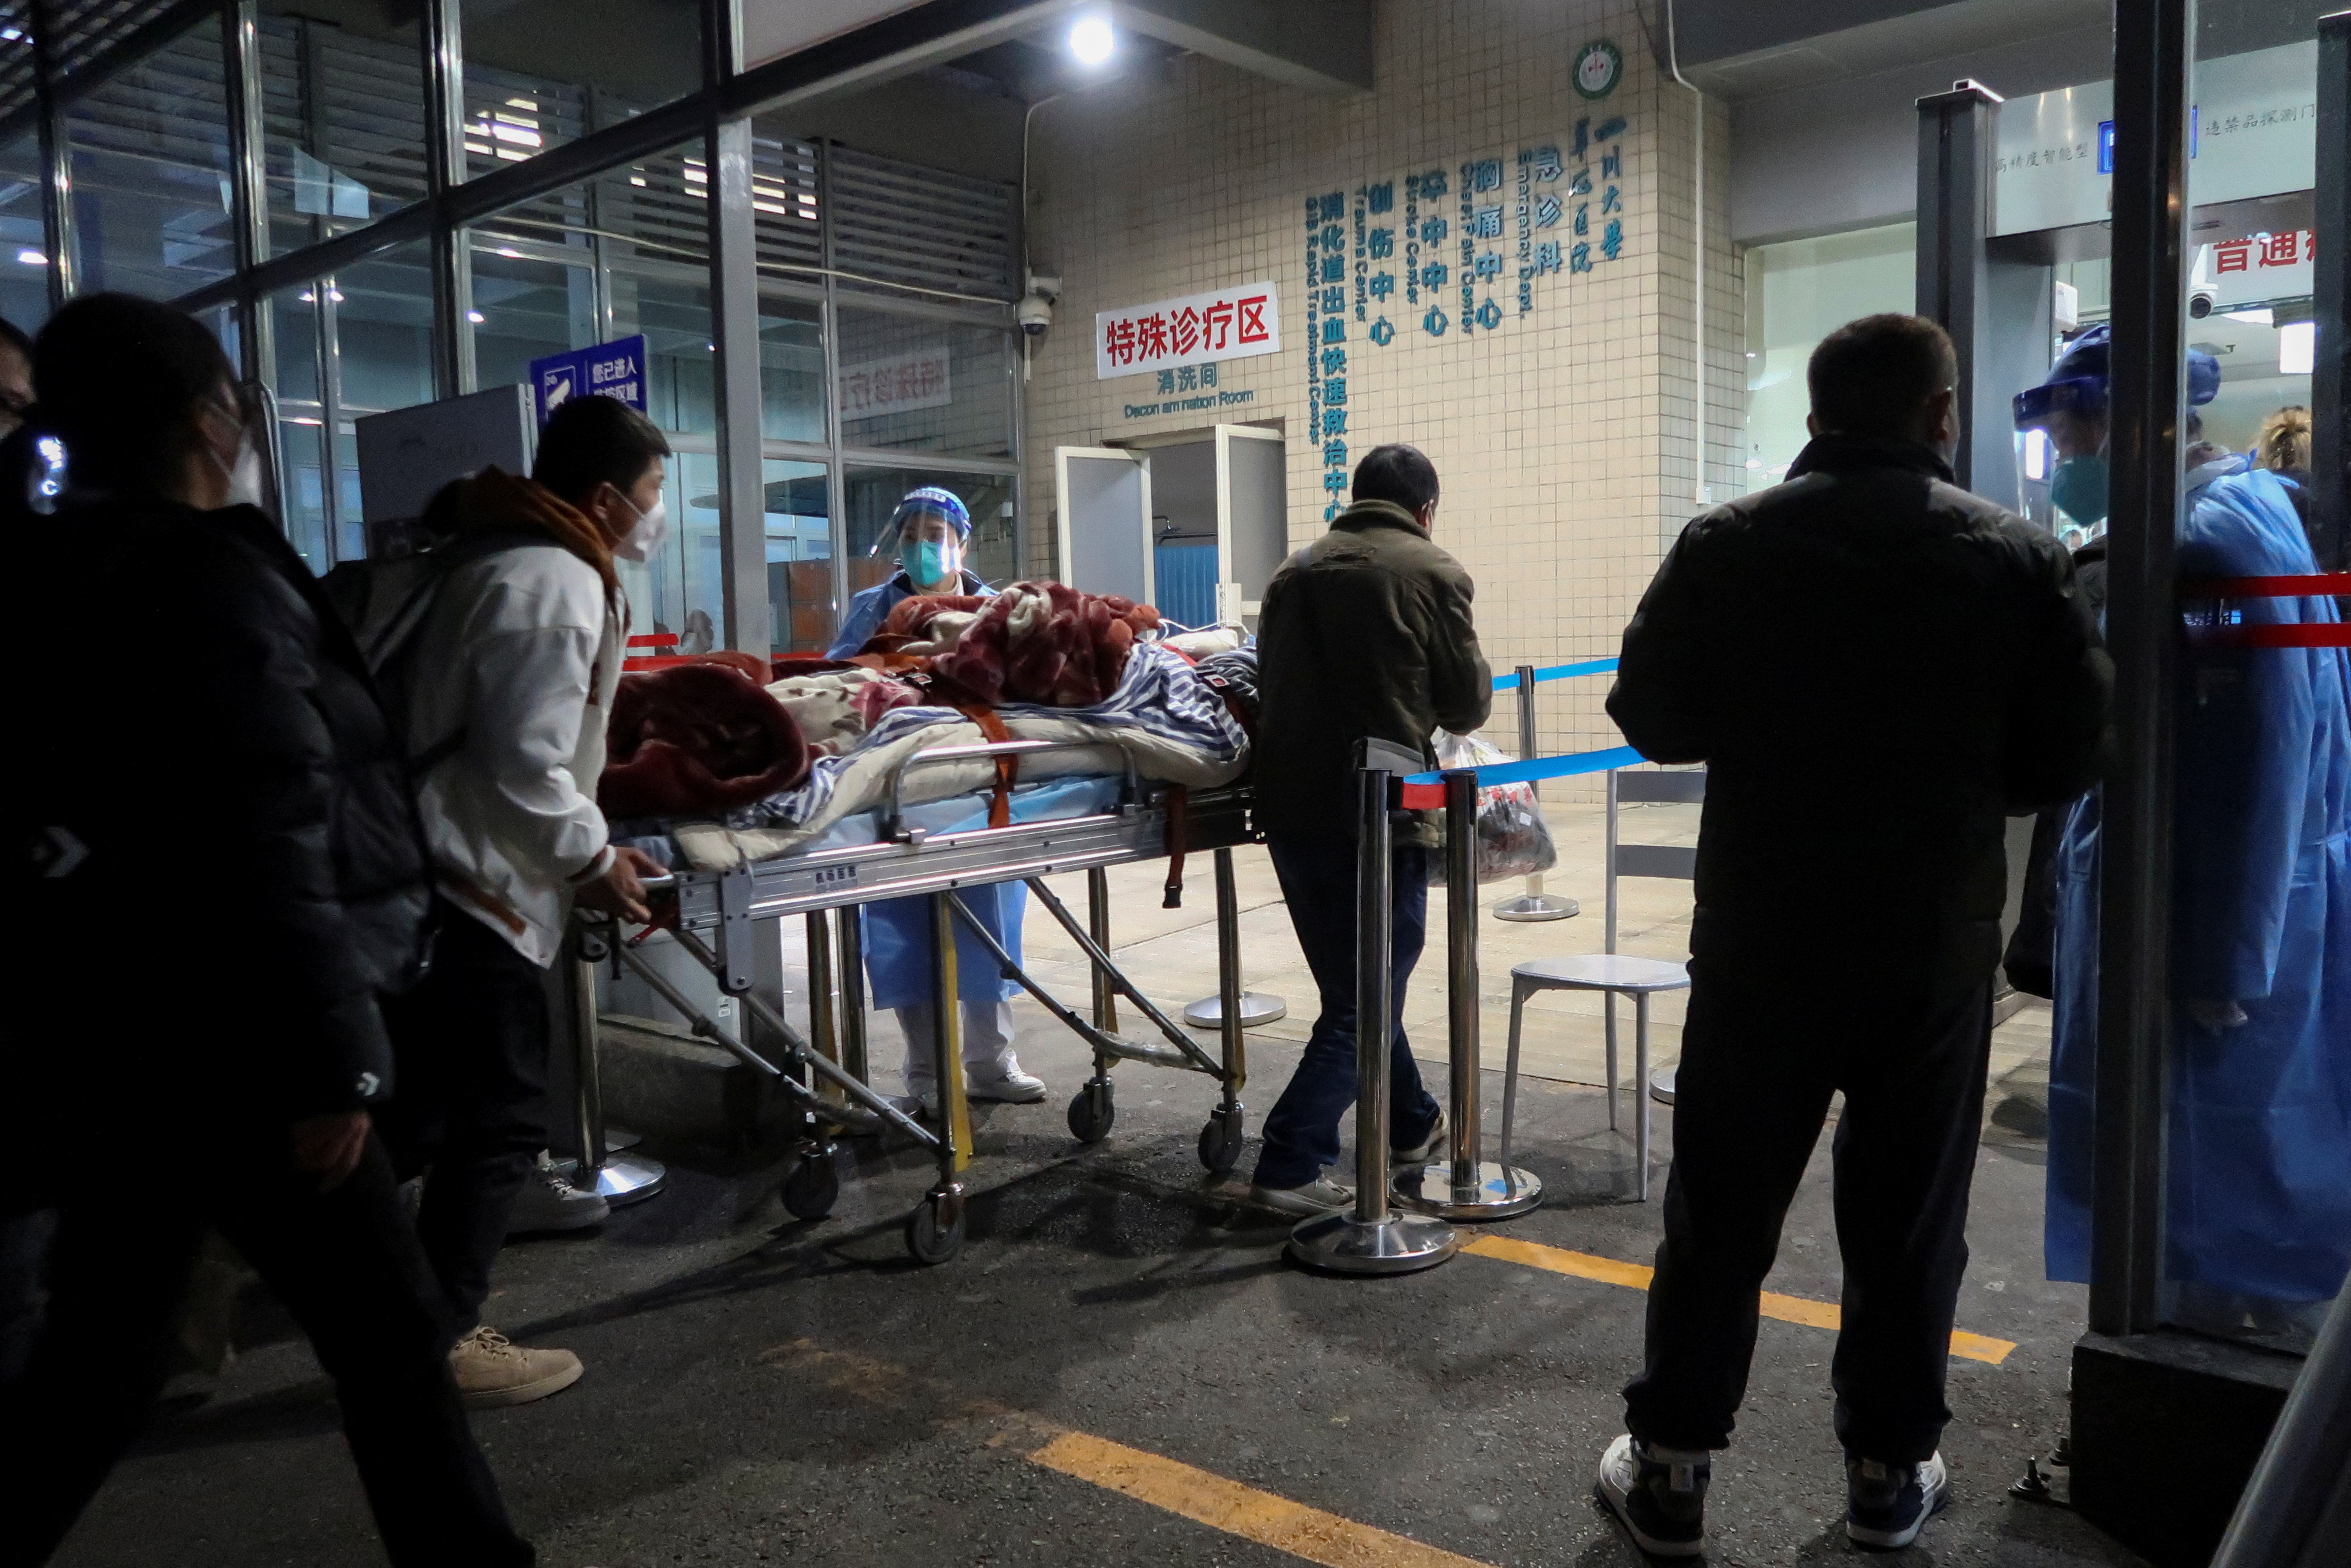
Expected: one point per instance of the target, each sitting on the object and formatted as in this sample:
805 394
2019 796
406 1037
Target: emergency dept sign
613 369
1196 329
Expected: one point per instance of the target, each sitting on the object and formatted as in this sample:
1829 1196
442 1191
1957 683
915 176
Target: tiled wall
1562 438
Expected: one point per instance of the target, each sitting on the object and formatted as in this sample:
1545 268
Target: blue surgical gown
898 932
2258 1186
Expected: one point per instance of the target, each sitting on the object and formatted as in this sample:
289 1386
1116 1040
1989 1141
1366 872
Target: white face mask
645 535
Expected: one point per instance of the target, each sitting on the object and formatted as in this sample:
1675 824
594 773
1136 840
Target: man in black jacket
1365 632
224 874
1875 667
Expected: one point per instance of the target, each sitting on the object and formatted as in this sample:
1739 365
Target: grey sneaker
1321 1196
548 1203
1887 1505
492 1370
1658 1495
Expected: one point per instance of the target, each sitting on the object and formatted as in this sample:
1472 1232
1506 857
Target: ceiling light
1091 41
475 317
28 256
2297 348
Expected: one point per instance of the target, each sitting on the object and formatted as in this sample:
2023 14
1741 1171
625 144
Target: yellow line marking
1636 1276
1201 1496
1237 1509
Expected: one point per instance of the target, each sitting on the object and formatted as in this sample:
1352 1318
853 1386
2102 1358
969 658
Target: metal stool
1614 974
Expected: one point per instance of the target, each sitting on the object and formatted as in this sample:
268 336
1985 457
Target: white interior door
1252 517
1105 505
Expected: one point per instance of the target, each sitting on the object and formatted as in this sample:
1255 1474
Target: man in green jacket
1365 632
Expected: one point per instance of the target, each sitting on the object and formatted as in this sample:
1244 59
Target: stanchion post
852 995
619 1178
1534 904
1464 1187
1371 1240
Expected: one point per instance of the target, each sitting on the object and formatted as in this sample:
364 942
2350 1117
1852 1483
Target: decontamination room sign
1230 323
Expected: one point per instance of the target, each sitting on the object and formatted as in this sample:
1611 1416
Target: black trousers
346 1265
469 1101
1765 1045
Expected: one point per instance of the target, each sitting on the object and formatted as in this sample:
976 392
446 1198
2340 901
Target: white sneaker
1321 1196
1421 1153
493 1371
548 1202
1005 1082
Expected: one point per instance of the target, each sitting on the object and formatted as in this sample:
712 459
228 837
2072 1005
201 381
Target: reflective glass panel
791 371
2257 1206
540 73
922 383
623 253
342 93
24 252
151 172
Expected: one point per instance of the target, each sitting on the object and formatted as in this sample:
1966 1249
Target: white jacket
522 654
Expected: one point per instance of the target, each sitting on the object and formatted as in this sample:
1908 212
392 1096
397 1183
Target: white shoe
1321 1196
548 1202
493 1371
1421 1153
1005 1082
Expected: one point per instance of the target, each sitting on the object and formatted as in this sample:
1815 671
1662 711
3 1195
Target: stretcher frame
719 916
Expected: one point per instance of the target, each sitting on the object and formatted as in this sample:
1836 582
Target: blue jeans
1317 882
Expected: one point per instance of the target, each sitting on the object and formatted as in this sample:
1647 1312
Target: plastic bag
1513 840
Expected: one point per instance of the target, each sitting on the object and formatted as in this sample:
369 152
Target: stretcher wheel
814 1185
1220 1142
1092 1113
935 1229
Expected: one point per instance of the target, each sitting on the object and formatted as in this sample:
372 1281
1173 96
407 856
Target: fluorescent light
28 256
2297 348
475 317
1091 41
2259 318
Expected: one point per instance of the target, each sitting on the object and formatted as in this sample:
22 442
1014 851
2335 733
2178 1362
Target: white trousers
987 1041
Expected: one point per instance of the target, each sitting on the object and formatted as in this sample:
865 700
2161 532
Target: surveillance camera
2199 303
1034 314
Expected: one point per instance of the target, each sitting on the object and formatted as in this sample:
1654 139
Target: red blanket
696 739
1047 642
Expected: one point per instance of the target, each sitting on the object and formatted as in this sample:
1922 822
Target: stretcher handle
894 823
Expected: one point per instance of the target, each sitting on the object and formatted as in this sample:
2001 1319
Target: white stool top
1604 972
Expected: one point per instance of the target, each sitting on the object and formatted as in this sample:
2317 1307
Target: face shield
2061 461
928 531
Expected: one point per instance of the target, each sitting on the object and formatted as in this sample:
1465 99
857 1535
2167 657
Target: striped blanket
1174 727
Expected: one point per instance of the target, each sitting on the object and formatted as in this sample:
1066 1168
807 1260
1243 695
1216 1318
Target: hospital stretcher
725 921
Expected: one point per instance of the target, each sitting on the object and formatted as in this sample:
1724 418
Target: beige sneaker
492 1370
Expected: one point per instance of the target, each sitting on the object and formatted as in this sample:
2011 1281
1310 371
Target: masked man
930 529
2258 1211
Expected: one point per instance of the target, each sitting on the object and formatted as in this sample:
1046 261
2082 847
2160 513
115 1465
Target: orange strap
1179 805
1007 769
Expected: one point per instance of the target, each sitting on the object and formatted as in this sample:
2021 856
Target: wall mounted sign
613 369
2255 134
1231 323
1454 250
915 376
1599 66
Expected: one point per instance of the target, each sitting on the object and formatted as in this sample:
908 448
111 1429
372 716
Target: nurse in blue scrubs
929 531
